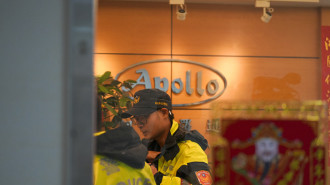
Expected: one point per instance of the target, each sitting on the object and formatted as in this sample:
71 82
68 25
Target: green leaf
112 110
106 75
110 90
130 81
128 85
123 101
112 101
103 89
118 90
129 104
115 83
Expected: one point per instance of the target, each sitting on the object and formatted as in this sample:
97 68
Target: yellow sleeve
168 180
192 152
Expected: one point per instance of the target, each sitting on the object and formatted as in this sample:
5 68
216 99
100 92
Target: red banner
325 50
221 165
318 169
269 152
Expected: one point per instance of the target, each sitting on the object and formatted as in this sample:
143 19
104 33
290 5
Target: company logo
214 88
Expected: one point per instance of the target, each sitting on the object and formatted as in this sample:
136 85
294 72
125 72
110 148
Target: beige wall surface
126 27
133 27
238 30
279 60
325 16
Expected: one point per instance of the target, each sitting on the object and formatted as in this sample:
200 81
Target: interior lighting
181 12
267 14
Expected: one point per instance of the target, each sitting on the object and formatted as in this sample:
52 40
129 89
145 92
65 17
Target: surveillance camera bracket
176 2
262 3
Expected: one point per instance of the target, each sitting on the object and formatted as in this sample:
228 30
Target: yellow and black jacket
182 158
120 159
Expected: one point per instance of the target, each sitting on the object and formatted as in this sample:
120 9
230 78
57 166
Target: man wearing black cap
181 157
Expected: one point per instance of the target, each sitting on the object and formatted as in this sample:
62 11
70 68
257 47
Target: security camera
181 12
267 15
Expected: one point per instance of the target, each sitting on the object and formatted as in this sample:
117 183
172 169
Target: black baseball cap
147 101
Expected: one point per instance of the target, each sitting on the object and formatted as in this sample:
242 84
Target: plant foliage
114 100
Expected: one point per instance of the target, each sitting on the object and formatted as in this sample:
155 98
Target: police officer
180 154
120 158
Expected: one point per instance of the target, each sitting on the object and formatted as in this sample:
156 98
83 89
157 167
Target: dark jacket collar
122 144
175 135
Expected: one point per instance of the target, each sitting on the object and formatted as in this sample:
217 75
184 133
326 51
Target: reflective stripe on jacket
113 172
184 161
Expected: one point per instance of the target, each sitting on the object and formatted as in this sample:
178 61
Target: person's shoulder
107 162
191 152
196 137
189 145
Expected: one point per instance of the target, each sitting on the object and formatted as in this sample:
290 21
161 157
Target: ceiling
290 3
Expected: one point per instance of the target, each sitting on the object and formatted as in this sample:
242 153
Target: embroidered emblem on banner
204 177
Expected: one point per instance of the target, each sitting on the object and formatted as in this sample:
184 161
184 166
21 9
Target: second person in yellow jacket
120 156
180 154
120 159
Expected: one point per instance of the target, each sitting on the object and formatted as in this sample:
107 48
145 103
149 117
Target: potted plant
114 101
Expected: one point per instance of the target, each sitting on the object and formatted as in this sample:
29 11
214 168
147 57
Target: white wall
37 109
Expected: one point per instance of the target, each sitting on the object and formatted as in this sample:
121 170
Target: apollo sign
214 88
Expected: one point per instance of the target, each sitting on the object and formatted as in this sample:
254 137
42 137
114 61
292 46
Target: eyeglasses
140 120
